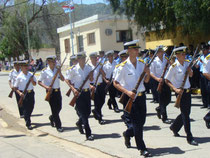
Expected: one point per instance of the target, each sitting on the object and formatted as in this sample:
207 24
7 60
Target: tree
191 16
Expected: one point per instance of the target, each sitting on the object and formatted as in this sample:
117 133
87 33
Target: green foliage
192 16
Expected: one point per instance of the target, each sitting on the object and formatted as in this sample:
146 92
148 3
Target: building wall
110 42
153 40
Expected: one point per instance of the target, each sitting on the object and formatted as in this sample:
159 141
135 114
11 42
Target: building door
80 45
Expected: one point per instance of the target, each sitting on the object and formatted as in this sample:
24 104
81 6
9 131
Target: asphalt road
108 138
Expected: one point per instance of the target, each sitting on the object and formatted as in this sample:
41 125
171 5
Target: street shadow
37 125
196 104
43 135
147 128
69 128
166 151
102 136
202 140
151 114
14 136
113 121
36 115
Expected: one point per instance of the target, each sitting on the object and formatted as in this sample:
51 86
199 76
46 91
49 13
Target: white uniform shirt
13 75
47 75
22 80
95 74
129 75
157 66
206 68
176 74
109 68
78 75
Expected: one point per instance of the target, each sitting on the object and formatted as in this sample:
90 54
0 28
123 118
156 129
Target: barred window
91 38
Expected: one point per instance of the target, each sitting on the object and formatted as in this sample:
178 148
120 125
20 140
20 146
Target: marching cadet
100 95
206 73
73 60
174 79
203 81
20 84
77 76
12 78
55 101
108 69
164 97
129 73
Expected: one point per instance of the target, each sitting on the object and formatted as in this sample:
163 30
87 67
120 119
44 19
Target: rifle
160 84
47 98
178 99
20 102
73 101
145 55
11 94
92 95
130 101
69 91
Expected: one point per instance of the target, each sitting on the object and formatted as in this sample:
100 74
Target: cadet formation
129 75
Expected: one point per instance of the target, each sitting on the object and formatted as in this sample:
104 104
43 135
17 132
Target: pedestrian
77 76
20 85
109 69
156 70
174 79
45 80
12 79
129 72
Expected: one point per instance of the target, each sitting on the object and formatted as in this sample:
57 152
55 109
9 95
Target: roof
89 20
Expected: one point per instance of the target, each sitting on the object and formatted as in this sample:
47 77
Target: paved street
108 138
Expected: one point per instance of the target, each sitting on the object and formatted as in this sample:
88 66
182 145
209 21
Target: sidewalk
108 138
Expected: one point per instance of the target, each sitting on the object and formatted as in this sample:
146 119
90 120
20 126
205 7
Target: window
67 45
91 38
124 35
80 46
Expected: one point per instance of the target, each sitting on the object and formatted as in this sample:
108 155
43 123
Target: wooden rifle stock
178 99
68 93
11 94
130 101
47 97
73 101
20 102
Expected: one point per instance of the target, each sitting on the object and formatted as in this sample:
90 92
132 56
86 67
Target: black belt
28 91
187 90
56 89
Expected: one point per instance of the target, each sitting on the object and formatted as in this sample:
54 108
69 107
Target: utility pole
28 37
71 30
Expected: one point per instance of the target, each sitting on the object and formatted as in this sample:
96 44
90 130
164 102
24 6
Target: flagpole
71 31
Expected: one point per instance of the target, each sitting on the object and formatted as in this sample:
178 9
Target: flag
67 8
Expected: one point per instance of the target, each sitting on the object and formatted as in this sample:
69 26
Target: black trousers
207 116
83 108
164 99
56 106
138 118
184 117
20 109
99 100
204 91
154 85
28 106
112 94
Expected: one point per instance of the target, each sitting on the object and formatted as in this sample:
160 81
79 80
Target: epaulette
123 63
44 69
118 65
207 57
141 60
187 60
71 67
173 65
101 64
12 70
166 57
